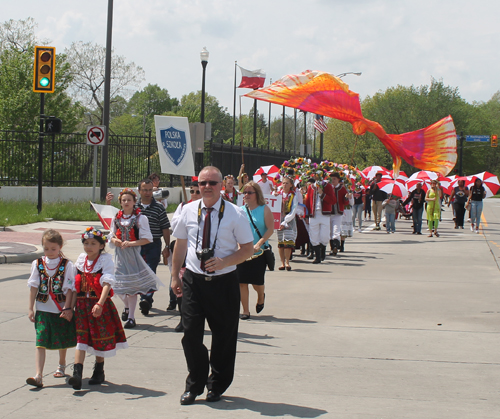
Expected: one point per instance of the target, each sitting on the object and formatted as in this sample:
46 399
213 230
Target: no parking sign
96 135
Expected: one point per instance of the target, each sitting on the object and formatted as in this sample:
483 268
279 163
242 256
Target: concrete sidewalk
398 326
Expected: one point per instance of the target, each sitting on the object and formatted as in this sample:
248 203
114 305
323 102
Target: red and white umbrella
400 178
271 171
412 184
371 171
424 175
401 175
445 182
490 183
393 187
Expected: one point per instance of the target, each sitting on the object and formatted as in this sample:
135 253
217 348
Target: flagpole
283 132
295 131
269 131
314 144
255 122
241 136
234 104
305 133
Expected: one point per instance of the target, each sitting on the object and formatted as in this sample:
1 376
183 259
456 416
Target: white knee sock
132 304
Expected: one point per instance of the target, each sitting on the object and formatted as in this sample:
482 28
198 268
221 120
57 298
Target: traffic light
494 141
44 71
53 125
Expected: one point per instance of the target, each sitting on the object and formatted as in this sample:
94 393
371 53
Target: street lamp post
204 54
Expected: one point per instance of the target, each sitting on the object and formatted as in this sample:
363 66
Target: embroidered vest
52 284
127 233
89 284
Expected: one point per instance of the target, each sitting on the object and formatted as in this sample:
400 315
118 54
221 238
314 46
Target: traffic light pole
40 151
460 167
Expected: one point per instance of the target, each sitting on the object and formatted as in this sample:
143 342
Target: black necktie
205 244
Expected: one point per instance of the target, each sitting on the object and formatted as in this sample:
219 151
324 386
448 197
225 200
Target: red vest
327 200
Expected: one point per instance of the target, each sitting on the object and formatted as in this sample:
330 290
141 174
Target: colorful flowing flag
433 148
106 213
319 123
252 79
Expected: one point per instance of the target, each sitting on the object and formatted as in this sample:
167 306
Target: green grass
25 212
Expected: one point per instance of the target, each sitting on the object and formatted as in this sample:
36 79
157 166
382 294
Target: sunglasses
209 182
248 193
192 191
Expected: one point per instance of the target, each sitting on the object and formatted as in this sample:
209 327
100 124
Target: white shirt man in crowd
210 292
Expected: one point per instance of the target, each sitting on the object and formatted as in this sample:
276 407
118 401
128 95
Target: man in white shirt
265 184
210 287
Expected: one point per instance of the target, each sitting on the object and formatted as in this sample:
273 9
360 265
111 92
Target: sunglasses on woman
192 191
209 182
248 193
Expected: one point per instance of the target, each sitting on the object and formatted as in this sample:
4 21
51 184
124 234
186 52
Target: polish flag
106 213
252 79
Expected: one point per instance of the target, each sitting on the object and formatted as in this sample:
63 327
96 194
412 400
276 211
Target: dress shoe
260 307
130 324
245 316
171 306
125 314
188 397
179 328
213 396
145 306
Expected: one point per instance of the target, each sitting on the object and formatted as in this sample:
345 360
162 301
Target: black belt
209 277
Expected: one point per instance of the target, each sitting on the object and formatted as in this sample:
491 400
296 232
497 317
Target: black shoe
171 306
76 380
317 254
125 314
145 306
188 397
130 324
213 396
179 328
341 245
98 375
245 316
311 254
260 307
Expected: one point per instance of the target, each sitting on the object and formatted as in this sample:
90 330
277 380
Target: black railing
69 161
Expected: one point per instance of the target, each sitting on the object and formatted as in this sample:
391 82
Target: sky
392 42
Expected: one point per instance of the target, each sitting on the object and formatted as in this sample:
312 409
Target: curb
22 257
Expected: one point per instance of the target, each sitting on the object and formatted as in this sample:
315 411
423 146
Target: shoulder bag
268 251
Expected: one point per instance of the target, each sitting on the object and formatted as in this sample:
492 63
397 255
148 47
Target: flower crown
127 191
93 233
229 177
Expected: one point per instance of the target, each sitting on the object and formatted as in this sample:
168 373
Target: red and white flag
252 79
106 213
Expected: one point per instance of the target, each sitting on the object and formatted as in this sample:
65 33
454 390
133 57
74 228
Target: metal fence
69 161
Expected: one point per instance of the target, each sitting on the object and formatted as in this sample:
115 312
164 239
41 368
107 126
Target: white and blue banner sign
174 145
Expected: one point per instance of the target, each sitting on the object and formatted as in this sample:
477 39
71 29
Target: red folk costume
327 197
103 335
231 197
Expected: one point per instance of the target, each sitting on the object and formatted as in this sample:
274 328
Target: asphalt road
398 326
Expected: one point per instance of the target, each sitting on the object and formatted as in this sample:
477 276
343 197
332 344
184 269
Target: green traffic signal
44 82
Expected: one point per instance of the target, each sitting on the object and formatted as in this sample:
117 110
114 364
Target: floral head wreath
229 177
93 233
127 191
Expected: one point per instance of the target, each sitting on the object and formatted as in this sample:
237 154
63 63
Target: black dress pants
218 301
459 213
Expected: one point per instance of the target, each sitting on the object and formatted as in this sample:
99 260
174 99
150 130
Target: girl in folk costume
229 193
98 327
130 230
287 233
51 283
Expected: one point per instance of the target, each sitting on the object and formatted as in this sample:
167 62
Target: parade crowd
219 250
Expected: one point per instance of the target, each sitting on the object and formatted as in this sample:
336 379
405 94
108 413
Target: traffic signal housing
494 141
44 71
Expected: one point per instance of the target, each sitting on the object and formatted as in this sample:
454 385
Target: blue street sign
477 138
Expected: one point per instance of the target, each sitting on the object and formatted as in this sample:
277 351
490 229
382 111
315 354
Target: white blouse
105 262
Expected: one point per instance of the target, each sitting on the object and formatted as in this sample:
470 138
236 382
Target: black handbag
268 251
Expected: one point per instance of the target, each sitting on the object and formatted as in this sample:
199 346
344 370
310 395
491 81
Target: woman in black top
459 197
476 196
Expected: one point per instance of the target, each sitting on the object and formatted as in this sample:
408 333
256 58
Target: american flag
319 124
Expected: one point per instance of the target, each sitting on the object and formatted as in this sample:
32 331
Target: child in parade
229 193
51 283
98 327
390 205
130 230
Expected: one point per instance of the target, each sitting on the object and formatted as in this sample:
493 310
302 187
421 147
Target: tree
150 101
190 107
20 108
87 62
